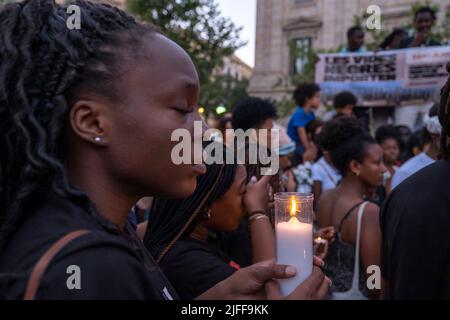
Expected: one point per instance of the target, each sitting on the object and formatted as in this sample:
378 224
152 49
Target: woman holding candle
182 233
359 159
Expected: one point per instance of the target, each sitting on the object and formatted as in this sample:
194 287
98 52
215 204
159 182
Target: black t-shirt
113 264
415 224
238 244
193 267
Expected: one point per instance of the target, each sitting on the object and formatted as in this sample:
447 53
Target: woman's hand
256 196
326 233
257 282
321 248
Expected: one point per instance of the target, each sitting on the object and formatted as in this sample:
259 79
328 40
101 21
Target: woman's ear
355 167
89 121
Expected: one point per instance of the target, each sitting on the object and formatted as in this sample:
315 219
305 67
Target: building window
300 49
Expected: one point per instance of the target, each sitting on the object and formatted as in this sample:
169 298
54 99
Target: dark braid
43 64
444 118
173 219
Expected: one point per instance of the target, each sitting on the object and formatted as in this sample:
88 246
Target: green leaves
198 27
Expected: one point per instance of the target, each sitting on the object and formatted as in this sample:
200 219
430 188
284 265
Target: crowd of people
87 179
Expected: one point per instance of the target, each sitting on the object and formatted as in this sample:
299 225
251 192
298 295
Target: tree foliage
198 27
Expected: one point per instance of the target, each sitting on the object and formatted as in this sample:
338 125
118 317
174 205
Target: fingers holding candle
318 262
315 287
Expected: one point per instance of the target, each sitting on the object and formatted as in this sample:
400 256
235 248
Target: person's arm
370 242
263 239
317 191
262 234
303 136
291 184
419 38
257 283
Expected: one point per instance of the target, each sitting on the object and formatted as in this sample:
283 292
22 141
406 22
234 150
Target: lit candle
294 247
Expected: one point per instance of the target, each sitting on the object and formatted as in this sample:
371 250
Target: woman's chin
186 190
179 190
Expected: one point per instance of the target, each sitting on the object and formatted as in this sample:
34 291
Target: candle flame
293 207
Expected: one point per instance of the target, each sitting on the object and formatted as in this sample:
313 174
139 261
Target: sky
243 14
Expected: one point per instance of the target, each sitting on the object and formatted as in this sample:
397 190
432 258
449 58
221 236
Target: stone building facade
321 24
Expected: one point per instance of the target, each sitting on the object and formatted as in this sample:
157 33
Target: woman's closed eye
184 110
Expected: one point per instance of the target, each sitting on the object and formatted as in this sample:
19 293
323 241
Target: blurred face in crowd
314 101
397 39
424 22
346 111
391 151
227 211
356 40
371 169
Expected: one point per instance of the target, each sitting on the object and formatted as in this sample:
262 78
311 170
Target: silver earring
97 139
207 215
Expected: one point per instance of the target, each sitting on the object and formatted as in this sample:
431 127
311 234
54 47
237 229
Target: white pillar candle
294 248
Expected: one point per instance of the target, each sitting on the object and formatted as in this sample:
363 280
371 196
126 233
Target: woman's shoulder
92 266
328 197
371 213
324 208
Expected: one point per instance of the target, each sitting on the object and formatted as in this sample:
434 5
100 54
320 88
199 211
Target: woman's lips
199 168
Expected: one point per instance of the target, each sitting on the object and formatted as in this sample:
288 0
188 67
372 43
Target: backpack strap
44 261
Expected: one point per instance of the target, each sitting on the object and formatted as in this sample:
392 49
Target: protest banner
386 78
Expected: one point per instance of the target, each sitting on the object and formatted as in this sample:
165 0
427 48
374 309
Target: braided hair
444 118
43 64
173 219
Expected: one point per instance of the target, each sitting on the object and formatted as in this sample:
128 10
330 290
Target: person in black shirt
180 234
424 20
86 117
415 223
415 255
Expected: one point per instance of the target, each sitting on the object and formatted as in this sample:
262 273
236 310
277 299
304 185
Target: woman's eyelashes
184 111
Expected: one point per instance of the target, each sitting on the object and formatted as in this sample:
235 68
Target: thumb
262 274
264 181
252 181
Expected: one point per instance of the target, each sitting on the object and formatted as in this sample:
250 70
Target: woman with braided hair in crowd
415 223
183 234
86 117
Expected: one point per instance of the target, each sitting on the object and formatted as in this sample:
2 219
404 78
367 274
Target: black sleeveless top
339 263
